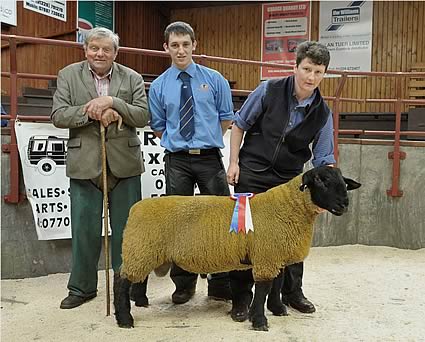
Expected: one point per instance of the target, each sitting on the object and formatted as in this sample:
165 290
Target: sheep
193 232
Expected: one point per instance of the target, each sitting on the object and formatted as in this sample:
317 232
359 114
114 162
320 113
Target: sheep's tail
162 270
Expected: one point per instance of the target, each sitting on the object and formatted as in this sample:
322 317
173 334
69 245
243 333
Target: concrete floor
361 294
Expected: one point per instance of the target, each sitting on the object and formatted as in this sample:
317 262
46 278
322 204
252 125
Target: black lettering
153 158
44 208
35 193
149 139
156 172
159 184
57 192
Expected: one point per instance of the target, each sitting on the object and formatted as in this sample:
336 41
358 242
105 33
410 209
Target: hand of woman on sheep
233 174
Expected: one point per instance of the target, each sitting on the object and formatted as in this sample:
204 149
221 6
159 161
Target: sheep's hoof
261 328
259 323
277 310
126 325
239 314
125 322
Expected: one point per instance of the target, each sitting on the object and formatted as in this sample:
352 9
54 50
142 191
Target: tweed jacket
76 87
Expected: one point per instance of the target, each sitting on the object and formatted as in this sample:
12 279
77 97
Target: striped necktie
187 121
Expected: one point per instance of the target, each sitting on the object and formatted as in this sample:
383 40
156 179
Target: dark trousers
182 172
86 226
242 281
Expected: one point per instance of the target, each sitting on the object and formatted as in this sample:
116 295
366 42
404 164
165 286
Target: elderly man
91 93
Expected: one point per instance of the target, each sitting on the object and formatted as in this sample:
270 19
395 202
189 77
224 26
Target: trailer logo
345 15
47 152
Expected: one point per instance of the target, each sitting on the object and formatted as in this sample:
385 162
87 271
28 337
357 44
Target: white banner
54 9
8 12
346 30
42 149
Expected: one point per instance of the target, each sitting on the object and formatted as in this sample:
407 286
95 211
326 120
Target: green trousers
86 226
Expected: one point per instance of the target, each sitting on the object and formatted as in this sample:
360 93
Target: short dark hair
179 27
318 53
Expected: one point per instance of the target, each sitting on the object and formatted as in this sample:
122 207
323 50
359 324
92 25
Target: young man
280 119
191 107
89 94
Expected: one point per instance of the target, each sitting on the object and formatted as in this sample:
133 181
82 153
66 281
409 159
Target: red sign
285 25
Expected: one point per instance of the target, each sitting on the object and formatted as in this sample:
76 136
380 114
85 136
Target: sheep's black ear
351 184
307 180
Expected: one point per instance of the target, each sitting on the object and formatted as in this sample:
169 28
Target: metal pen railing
396 155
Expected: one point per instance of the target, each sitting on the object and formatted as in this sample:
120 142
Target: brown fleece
193 232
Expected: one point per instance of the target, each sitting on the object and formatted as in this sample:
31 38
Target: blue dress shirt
212 104
323 144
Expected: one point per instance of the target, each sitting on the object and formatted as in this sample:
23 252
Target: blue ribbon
234 223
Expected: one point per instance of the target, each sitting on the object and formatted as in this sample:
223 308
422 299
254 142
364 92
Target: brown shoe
73 301
299 302
181 296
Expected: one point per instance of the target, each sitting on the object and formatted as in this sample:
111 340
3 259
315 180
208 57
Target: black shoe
219 293
73 301
181 296
138 294
299 302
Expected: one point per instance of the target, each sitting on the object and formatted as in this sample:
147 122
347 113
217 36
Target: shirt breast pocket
205 96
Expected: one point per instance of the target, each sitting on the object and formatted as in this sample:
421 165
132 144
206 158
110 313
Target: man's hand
233 174
97 106
109 116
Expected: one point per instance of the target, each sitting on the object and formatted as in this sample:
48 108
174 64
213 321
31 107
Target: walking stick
105 217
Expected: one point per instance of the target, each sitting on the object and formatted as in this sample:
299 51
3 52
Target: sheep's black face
328 188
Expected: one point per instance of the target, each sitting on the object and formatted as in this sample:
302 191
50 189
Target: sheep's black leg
256 312
122 302
241 283
274 304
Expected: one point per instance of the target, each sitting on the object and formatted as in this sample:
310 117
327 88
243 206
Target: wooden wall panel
138 24
39 59
228 31
235 31
141 25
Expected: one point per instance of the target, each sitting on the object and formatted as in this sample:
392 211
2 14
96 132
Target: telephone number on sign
54 222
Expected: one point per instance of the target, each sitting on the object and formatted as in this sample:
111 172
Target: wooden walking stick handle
105 217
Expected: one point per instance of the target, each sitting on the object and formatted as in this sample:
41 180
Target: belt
195 152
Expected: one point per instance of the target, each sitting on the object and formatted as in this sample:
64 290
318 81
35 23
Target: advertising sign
42 149
54 9
284 26
8 12
93 14
346 30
